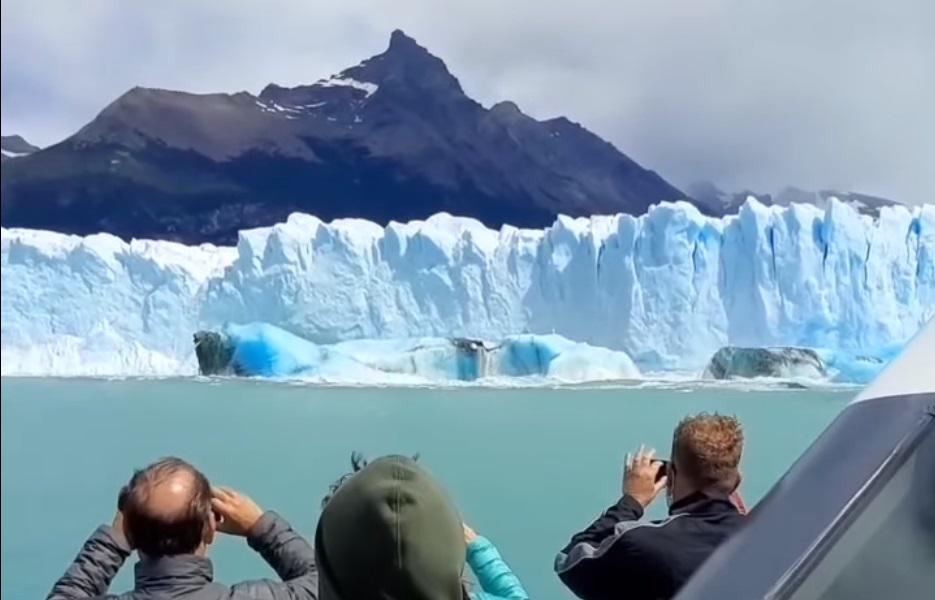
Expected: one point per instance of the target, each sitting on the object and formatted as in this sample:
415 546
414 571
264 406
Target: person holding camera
619 556
169 514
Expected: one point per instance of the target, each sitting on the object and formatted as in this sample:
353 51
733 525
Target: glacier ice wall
668 287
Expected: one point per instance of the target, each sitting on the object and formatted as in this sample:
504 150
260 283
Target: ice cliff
669 287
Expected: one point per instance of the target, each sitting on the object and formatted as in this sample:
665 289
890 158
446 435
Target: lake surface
528 467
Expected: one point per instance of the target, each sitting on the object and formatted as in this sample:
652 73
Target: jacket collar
173 571
703 502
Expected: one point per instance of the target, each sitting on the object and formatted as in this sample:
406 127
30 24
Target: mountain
13 146
865 204
710 197
393 138
713 200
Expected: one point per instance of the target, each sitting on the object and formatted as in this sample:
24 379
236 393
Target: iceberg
822 364
845 367
263 350
732 362
667 288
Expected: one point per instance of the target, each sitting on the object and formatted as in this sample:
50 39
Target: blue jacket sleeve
493 574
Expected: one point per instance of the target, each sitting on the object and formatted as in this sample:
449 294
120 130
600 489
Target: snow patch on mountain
336 80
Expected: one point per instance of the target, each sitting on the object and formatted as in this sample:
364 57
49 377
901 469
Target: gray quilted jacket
190 577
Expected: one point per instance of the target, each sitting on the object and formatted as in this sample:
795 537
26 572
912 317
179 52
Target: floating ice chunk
270 351
732 362
561 359
846 367
263 350
823 365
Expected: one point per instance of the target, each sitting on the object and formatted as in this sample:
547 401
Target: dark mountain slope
393 138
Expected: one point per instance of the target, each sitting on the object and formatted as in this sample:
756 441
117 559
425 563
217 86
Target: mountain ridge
708 195
392 138
14 146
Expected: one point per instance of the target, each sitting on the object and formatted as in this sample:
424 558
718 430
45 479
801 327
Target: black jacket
189 577
619 557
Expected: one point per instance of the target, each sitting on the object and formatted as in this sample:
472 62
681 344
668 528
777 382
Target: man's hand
237 513
119 529
639 477
737 500
118 523
469 535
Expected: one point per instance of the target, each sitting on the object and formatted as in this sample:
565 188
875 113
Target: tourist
619 556
390 531
169 514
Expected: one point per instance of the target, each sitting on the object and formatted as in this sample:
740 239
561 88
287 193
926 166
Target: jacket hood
390 533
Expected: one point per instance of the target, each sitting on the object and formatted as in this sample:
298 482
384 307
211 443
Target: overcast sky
747 93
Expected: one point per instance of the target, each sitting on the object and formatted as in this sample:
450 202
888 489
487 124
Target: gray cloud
748 93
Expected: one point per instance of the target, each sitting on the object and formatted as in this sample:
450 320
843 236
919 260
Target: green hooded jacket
390 532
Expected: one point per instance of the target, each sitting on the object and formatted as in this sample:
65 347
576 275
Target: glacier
668 288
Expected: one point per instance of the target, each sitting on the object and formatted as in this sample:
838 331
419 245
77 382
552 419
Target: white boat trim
912 372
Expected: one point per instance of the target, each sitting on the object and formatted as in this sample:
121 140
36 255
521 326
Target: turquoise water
527 466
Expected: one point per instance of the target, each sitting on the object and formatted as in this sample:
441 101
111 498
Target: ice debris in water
260 349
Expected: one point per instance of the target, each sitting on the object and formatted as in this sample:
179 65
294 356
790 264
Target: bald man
169 514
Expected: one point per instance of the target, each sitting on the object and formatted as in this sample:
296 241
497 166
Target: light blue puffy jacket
496 580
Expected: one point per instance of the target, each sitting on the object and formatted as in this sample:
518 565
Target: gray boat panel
794 524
